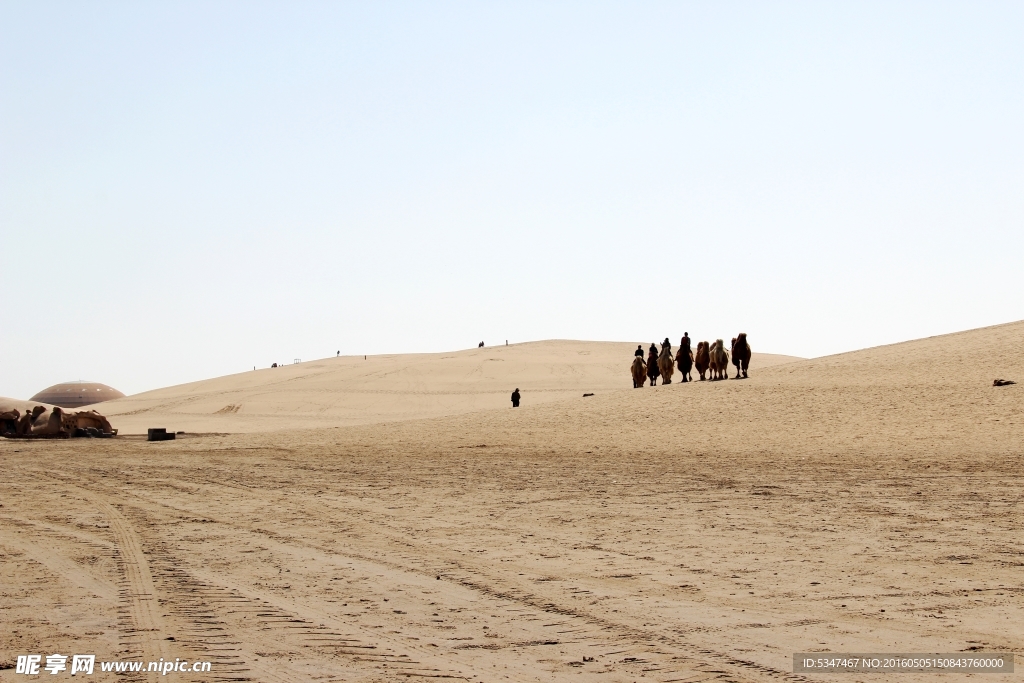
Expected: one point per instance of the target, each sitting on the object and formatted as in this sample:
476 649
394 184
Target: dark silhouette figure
684 358
515 398
652 365
741 354
480 345
639 350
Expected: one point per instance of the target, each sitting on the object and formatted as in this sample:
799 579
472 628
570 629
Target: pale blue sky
191 189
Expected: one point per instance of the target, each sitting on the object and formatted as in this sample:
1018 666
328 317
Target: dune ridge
349 390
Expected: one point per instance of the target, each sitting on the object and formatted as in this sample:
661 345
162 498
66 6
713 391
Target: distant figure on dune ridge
639 370
702 359
685 358
719 358
666 363
515 398
741 354
652 364
480 345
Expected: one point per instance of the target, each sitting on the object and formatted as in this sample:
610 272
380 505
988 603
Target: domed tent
76 394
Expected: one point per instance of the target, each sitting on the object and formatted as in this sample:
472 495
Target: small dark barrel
159 434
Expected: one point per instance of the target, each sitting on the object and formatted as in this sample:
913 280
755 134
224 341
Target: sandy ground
867 502
350 390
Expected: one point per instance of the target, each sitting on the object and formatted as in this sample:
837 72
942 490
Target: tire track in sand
145 611
139 593
61 566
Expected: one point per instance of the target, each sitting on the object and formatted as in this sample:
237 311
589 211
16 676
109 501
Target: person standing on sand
515 398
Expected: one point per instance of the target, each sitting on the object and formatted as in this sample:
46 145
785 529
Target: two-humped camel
719 360
666 363
702 359
685 359
639 372
741 354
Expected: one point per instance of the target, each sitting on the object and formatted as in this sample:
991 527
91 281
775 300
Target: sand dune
928 395
350 390
864 502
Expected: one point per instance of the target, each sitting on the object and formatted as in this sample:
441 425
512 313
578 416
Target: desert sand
864 502
349 390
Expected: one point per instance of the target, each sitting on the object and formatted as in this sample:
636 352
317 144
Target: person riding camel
639 350
684 358
666 345
653 372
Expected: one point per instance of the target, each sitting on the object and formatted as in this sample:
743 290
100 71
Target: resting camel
719 360
741 354
702 360
666 364
639 372
685 359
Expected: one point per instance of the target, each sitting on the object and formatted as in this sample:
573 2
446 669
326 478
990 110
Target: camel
702 360
741 354
9 421
652 366
666 364
43 421
719 359
639 371
685 359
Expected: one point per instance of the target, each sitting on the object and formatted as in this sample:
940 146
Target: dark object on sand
1002 382
91 432
159 434
585 395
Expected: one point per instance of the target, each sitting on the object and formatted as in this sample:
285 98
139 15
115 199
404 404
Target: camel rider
639 350
666 345
685 341
653 372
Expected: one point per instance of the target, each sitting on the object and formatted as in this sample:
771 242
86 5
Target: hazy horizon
190 190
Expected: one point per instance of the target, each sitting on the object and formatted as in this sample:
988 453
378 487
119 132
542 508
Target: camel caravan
711 360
